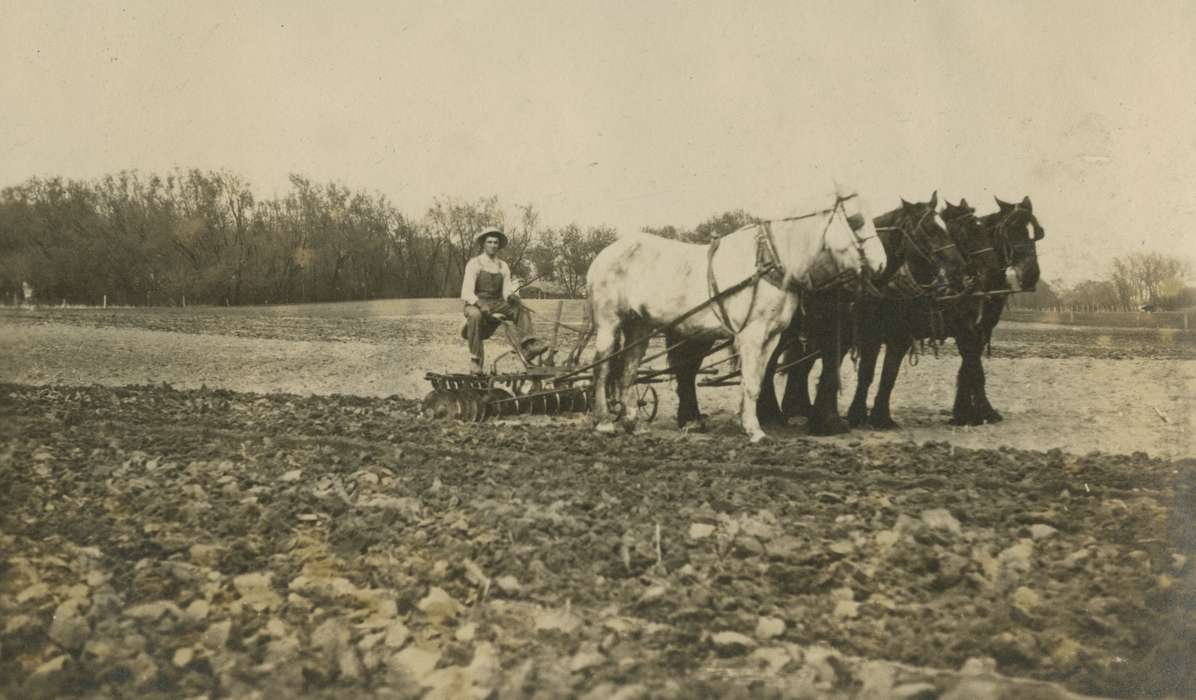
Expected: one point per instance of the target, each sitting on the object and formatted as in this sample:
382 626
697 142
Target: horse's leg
755 341
993 315
857 415
685 361
828 331
826 419
767 410
635 341
984 410
895 349
796 399
969 384
606 341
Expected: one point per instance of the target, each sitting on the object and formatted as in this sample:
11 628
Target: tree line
204 237
1151 280
199 237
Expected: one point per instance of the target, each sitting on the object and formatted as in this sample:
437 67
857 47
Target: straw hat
491 231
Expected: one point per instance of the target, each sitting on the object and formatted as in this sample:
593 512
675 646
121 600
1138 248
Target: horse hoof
836 426
631 426
758 437
606 428
883 423
993 417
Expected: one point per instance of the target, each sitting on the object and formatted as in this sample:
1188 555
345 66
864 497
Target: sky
634 114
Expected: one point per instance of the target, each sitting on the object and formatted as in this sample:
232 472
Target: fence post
1185 321
105 301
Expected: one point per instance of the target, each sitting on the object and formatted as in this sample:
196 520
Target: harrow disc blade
473 405
496 403
440 404
573 400
565 400
552 403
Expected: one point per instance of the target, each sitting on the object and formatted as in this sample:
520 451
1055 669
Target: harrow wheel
644 402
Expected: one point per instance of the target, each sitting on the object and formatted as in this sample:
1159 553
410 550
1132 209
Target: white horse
642 283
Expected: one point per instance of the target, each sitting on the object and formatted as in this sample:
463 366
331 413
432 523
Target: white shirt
483 262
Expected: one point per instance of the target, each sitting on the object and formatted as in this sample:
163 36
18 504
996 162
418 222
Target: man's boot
533 348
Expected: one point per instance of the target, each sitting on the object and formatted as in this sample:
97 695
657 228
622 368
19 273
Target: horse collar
767 260
768 267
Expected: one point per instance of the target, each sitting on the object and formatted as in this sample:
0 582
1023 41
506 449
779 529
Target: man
490 297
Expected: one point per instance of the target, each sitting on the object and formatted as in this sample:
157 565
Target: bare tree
1147 277
576 249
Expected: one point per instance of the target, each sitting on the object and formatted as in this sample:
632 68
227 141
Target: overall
479 325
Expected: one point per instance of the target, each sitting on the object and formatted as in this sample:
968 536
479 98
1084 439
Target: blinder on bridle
832 275
911 242
839 275
1010 247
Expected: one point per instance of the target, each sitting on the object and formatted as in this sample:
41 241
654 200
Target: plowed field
223 503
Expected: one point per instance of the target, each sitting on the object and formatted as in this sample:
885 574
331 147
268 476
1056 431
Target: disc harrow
472 397
520 385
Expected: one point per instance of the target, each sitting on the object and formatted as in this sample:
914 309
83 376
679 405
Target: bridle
970 255
927 255
854 224
1009 248
770 268
841 275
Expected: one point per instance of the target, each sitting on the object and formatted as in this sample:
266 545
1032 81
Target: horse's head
983 256
831 247
1015 231
920 237
865 242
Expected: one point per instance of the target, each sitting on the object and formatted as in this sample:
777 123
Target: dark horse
1001 256
922 256
1002 249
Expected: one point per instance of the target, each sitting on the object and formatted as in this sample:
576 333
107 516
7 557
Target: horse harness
969 254
904 285
769 266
